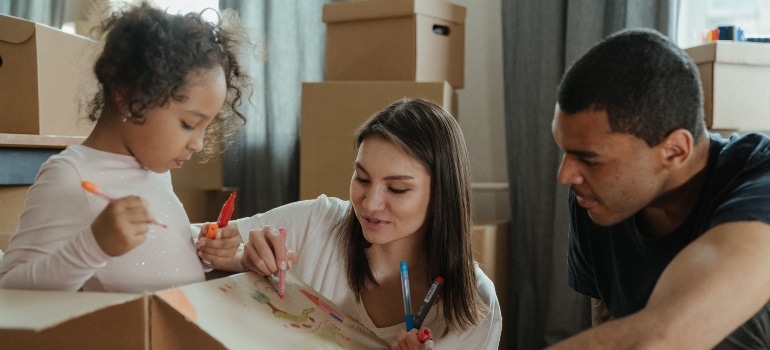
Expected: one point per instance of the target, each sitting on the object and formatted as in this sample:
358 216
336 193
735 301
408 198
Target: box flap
243 309
379 9
15 30
38 310
732 52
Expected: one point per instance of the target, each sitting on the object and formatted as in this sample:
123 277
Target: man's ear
676 148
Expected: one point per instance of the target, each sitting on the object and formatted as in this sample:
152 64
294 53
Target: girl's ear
121 102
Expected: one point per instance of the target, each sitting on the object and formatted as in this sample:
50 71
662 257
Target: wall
480 105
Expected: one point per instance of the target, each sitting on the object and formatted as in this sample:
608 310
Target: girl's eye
187 126
362 180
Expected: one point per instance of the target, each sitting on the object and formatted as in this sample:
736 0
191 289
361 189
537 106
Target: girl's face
172 133
390 192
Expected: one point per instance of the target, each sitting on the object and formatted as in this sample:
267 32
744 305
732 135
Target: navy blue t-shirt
620 266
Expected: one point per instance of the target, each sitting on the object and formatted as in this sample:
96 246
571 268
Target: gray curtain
540 40
290 43
48 12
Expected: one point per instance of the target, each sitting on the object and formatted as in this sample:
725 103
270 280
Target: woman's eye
398 191
187 126
361 180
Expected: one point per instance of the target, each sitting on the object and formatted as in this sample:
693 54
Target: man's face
613 175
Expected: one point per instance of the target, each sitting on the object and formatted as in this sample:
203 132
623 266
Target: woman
410 201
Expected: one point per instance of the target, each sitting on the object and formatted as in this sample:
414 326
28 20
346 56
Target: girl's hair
431 135
149 55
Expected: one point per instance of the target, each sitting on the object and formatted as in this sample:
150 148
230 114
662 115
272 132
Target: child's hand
410 340
122 225
266 253
220 252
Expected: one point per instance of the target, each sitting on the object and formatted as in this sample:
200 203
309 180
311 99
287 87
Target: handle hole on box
440 30
1 61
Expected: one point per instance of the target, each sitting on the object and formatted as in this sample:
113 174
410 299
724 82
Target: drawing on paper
243 309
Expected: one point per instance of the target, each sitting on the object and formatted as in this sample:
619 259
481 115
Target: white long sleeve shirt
54 248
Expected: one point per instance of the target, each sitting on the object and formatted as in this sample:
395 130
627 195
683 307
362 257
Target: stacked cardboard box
734 76
45 74
377 51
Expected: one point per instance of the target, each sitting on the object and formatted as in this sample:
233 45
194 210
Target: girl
166 84
410 200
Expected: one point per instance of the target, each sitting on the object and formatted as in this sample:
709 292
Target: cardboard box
241 311
417 40
194 175
44 74
491 250
734 77
11 205
331 112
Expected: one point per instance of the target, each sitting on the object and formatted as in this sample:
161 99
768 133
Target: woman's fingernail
283 265
290 264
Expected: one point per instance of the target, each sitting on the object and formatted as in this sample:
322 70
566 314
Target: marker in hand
282 270
91 187
224 217
433 292
408 319
424 335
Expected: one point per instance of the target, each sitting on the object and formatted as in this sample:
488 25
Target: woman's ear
676 148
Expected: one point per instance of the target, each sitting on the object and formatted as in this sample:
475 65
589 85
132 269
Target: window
698 16
186 6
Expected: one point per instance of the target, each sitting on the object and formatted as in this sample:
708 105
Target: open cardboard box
234 312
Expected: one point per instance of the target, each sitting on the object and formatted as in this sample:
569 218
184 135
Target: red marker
282 272
424 335
224 217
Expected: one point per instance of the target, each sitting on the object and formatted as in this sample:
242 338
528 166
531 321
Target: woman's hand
413 339
266 253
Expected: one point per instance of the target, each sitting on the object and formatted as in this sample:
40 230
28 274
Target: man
669 224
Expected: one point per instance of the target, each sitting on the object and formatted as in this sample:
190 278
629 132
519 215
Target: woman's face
390 192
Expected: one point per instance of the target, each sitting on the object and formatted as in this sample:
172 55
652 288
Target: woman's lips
372 223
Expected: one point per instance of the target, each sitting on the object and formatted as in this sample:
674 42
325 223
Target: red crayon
224 217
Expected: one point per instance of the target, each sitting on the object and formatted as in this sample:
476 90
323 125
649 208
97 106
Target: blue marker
407 297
